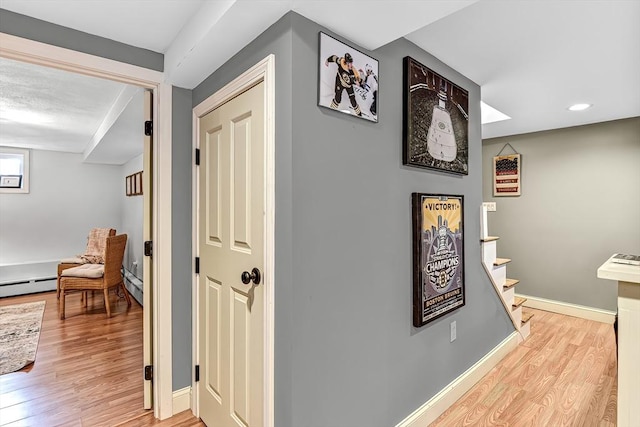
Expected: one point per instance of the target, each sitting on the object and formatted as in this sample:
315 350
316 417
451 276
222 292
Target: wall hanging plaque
506 175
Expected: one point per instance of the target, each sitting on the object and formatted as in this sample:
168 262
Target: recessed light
579 107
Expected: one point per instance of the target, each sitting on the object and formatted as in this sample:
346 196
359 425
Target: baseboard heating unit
28 278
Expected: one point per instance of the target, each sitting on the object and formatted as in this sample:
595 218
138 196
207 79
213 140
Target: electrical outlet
453 331
491 206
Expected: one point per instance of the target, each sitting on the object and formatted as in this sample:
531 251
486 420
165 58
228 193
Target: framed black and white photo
348 79
436 120
438 256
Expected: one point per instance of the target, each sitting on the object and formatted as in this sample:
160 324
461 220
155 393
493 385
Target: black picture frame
435 120
438 256
336 84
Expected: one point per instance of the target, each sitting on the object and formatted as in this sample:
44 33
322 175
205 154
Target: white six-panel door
231 241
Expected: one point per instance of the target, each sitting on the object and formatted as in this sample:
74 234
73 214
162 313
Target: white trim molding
25 50
34 52
162 262
431 410
264 71
181 400
584 312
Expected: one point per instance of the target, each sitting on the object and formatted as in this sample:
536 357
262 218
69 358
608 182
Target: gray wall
46 32
580 203
276 40
132 220
357 359
346 353
181 256
67 199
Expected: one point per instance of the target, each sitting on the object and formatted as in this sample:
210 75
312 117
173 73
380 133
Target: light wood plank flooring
564 374
88 372
88 369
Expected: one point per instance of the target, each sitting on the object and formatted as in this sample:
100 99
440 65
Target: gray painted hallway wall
580 203
346 351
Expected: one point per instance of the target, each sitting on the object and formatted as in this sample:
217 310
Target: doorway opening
159 307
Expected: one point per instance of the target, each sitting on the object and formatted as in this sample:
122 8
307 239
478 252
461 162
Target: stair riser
499 275
517 315
489 252
509 296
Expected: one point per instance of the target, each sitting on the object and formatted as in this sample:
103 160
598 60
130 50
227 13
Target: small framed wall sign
506 175
348 79
436 120
438 256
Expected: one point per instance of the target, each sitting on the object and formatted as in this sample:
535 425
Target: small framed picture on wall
348 79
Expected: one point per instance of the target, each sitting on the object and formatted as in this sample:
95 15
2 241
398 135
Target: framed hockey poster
506 175
436 120
438 256
348 79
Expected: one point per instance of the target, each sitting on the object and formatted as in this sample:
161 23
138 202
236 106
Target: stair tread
518 302
526 317
489 239
510 283
501 261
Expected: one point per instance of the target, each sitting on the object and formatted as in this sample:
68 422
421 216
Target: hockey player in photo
346 77
370 84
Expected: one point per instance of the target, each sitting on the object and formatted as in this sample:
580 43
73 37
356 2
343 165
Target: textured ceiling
46 108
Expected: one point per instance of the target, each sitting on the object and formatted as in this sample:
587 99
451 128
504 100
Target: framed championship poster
436 120
348 79
438 256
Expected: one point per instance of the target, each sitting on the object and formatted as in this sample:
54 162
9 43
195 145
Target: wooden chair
96 242
93 277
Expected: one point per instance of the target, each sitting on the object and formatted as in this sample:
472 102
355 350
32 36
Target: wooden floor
564 374
88 372
88 369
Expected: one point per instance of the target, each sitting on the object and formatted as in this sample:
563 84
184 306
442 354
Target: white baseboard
431 410
584 312
181 400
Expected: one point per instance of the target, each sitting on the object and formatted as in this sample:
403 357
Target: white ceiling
532 58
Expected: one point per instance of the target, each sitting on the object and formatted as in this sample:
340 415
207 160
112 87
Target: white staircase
496 269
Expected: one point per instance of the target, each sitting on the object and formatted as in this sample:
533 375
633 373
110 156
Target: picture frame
438 256
133 184
506 175
435 120
10 181
347 79
138 183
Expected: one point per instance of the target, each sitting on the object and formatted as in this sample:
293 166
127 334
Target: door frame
25 50
263 71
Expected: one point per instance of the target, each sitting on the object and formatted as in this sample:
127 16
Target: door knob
254 276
